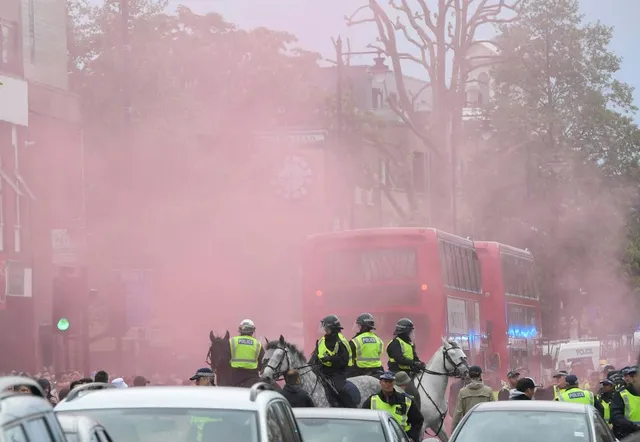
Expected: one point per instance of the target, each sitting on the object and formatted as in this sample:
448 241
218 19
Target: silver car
532 421
198 414
348 425
25 414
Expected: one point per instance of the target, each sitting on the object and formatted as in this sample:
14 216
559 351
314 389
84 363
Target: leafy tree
556 176
445 42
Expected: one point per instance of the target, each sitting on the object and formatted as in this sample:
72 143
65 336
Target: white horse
280 356
448 361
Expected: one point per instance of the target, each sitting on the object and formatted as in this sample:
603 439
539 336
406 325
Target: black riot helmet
404 325
332 322
366 320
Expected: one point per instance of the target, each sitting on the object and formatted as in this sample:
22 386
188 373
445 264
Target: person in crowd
46 388
474 393
524 390
366 348
79 382
398 405
625 406
334 354
140 381
512 380
292 391
101 376
454 390
402 382
246 354
119 383
204 377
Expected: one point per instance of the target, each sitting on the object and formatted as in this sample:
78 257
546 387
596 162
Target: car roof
562 407
339 413
226 398
16 406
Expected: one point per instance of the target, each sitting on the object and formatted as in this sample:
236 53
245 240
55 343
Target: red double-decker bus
510 309
429 276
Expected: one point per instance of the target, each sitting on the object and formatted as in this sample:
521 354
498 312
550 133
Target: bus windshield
353 267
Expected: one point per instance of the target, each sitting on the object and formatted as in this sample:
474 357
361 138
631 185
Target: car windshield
524 426
340 430
175 424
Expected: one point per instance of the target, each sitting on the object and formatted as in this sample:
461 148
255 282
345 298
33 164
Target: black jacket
394 351
339 361
414 416
297 397
621 426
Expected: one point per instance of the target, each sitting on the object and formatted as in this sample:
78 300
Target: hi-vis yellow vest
245 351
577 396
393 410
631 406
322 349
407 352
368 350
607 409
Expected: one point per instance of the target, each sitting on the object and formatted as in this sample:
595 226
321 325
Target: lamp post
378 71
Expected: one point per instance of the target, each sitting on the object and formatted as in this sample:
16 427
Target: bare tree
442 42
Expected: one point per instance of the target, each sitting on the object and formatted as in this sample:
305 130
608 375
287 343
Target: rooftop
227 398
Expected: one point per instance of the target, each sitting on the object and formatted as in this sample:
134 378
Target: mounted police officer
366 348
246 355
403 356
334 353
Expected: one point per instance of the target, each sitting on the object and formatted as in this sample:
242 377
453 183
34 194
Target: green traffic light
63 324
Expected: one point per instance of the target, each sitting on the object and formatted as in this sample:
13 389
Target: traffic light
69 301
117 306
62 303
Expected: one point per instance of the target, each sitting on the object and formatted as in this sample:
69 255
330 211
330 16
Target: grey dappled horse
448 361
281 356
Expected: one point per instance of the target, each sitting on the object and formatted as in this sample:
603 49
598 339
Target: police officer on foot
607 388
204 377
334 353
573 393
512 380
474 393
625 406
366 348
398 405
246 355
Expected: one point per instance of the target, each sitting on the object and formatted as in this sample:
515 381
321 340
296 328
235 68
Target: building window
9 47
376 98
17 236
420 168
1 211
32 30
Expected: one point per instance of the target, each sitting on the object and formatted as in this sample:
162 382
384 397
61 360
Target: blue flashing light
523 332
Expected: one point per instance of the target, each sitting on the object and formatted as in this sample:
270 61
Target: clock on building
293 178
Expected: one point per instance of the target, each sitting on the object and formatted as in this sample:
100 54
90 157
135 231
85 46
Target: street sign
139 293
64 247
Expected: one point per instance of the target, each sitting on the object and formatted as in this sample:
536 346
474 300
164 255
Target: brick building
40 161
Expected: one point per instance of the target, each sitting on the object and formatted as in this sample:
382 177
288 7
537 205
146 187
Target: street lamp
378 73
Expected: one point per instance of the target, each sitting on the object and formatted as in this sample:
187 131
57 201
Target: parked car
204 414
25 414
83 429
531 421
348 425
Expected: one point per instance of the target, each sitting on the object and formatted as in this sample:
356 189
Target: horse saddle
333 396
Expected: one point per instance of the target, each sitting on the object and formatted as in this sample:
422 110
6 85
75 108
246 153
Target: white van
568 353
